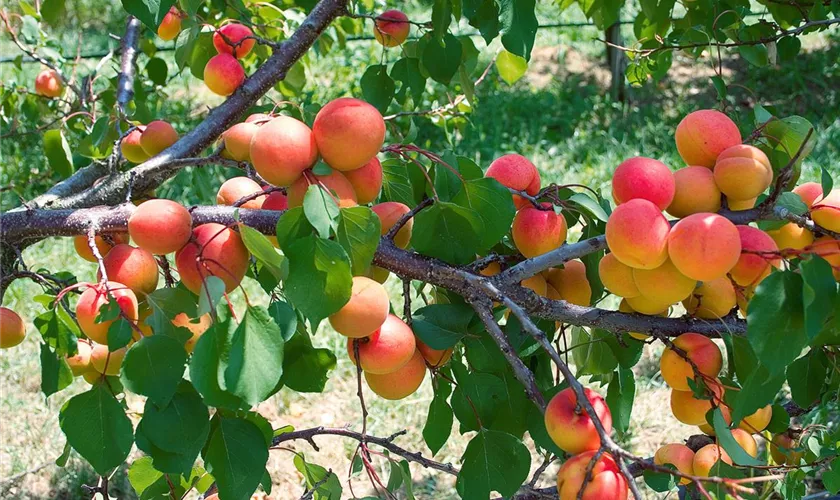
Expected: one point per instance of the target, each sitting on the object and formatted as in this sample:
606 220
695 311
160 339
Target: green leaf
441 59
166 303
511 67
402 182
142 475
493 461
61 460
97 428
793 203
720 86
153 367
180 427
438 424
212 291
377 87
754 54
412 82
236 455
589 205
477 393
787 48
55 372
255 359
292 226
284 316
319 281
460 227
262 249
757 391
620 396
209 361
827 183
157 70
441 326
329 487
819 291
358 233
660 481
519 26
484 16
728 442
58 330
306 368
149 12
806 377
775 320
493 204
321 210
119 334
441 18
780 421
52 11
591 353
58 153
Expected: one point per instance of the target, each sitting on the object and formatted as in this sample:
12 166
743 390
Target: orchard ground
557 116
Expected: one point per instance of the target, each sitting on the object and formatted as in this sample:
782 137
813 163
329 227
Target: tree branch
125 83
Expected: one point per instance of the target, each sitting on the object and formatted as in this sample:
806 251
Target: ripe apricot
738 205
691 410
570 283
215 250
704 353
387 349
104 361
133 267
537 284
391 28
791 237
712 299
759 254
571 427
12 329
826 212
702 135
625 307
678 455
782 448
349 132
617 277
366 181
96 296
644 178
389 213
236 188
605 480
810 192
695 191
231 39
434 357
518 173
196 328
282 149
706 457
275 201
130 146
829 249
536 231
758 421
158 136
103 244
79 363
746 441
402 382
237 140
366 310
49 84
664 284
704 246
637 234
742 172
160 226
335 183
223 74
170 26
644 305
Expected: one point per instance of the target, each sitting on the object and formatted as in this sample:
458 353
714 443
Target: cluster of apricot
223 73
145 141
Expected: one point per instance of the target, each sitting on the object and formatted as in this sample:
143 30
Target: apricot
236 188
389 213
702 135
130 146
536 231
606 481
695 191
743 172
133 267
752 267
160 226
706 457
231 39
758 421
366 310
104 361
712 299
49 84
746 441
158 136
738 205
678 455
334 183
704 246
537 284
643 178
518 173
400 383
237 140
434 357
12 329
366 181
704 353
644 305
215 250
103 244
491 269
391 28
259 118
625 307
570 283
617 277
197 329
829 249
223 74
79 363
96 296
637 234
570 427
691 410
791 237
144 328
282 149
664 284
387 349
275 201
349 133
826 212
378 274
170 26
810 192
782 448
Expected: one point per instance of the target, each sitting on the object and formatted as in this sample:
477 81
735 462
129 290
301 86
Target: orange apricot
791 237
237 140
49 84
782 448
702 351
133 267
536 231
276 200
712 299
387 349
649 307
695 192
434 357
12 329
103 244
617 277
570 283
605 479
236 188
391 28
702 135
758 421
570 427
706 457
349 132
170 26
644 178
704 246
678 455
738 205
759 254
366 310
826 212
232 39
130 146
223 74
400 383
96 296
335 183
742 172
389 213
810 192
537 284
366 181
79 363
104 361
197 329
160 226
664 284
746 441
215 250
691 410
282 149
637 234
518 173
157 136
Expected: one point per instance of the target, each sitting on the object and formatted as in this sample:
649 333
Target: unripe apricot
518 173
80 243
400 383
644 305
230 39
366 310
130 146
434 357
691 410
366 181
758 421
387 349
781 449
391 28
536 231
810 192
742 172
106 362
637 234
738 205
236 188
664 284
275 201
706 457
678 455
537 284
237 140
12 329
160 226
746 441
695 192
133 267
96 296
570 427
826 212
79 363
223 74
282 149
617 277
753 266
702 135
215 250
170 26
49 84
791 237
643 178
349 132
197 329
712 299
158 136
570 283
704 246
389 213
704 353
605 481
338 187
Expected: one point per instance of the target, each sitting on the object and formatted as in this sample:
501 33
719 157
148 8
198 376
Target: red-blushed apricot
12 329
637 234
536 231
643 178
702 135
826 212
130 146
282 149
706 457
570 283
236 188
93 298
791 237
349 132
366 310
391 28
231 39
664 284
400 383
104 361
49 84
691 410
518 173
214 250
704 353
617 277
829 249
434 357
276 200
79 363
746 441
133 267
387 349
759 254
160 226
196 328
712 299
810 192
170 26
678 455
158 136
757 421
338 187
742 172
366 181
103 244
537 284
738 205
223 74
389 213
237 140
695 192
782 448
704 246
570 427
605 481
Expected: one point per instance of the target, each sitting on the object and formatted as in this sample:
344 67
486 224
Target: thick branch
125 83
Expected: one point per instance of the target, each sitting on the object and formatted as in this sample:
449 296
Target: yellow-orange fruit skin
105 362
434 357
234 33
706 457
691 410
400 383
93 298
617 277
335 182
387 349
160 226
536 231
738 205
791 237
573 430
49 84
644 305
158 136
133 267
391 28
223 255
349 132
12 329
637 234
366 310
80 243
746 441
712 299
366 181
130 146
605 481
644 178
570 283
197 329
781 449
702 135
704 246
826 212
237 140
695 192
704 353
236 188
79 363
537 284
389 213
223 74
678 455
170 26
742 172
663 285
758 421
625 307
378 274
282 149
516 172
810 192
752 267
